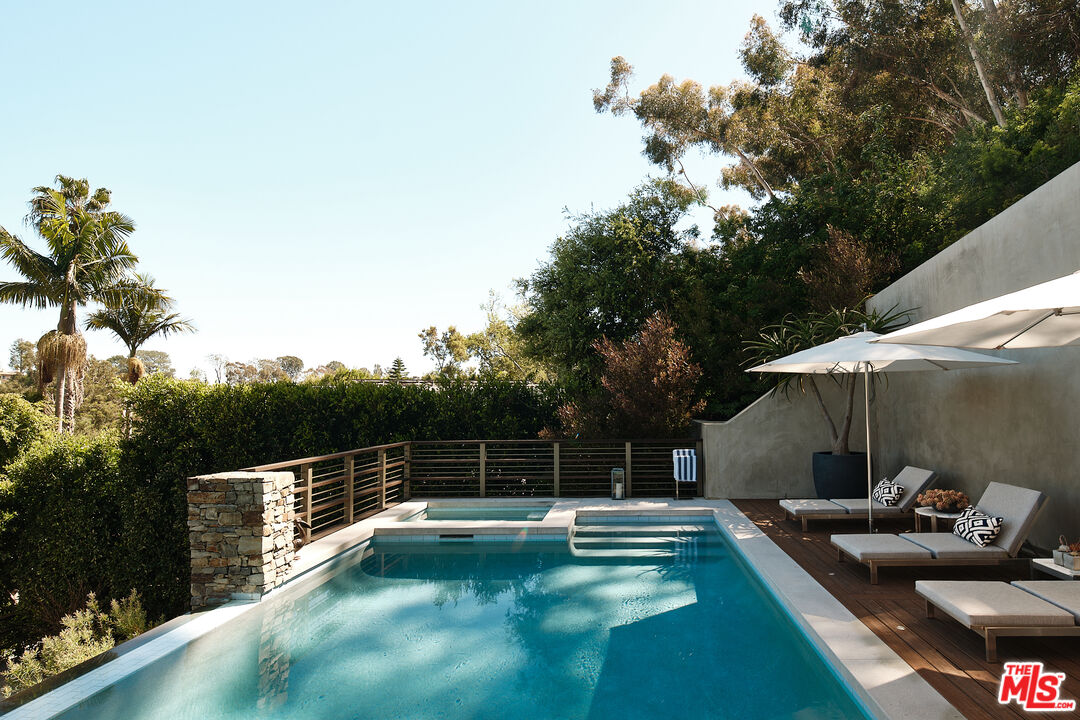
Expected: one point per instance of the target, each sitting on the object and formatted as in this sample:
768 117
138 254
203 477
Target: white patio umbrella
859 353
1044 315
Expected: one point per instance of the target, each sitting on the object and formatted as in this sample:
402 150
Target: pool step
622 520
624 553
614 543
641 529
680 537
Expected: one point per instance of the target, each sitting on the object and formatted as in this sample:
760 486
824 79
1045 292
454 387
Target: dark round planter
840 476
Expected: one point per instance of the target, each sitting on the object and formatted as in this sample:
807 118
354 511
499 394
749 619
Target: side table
933 514
1048 566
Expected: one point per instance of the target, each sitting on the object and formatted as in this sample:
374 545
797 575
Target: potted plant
838 472
1068 554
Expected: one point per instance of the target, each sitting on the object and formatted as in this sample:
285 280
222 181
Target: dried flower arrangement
943 500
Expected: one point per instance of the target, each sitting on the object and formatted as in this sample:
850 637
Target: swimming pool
675 627
480 512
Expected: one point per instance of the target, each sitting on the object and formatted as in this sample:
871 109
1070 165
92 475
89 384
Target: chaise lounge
914 480
1018 506
1028 608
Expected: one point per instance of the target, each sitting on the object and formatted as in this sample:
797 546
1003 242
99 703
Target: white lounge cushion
1063 593
807 506
1019 506
946 546
857 506
914 480
979 603
864 547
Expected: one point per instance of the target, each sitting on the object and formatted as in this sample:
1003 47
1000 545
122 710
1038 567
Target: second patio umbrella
1043 315
858 354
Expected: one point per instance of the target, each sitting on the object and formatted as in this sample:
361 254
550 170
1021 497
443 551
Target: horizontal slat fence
332 491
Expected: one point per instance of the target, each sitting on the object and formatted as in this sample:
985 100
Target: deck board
944 653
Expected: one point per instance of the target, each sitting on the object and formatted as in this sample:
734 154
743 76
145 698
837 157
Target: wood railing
332 491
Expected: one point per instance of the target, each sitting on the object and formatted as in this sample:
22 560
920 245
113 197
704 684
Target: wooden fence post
406 490
483 469
555 451
382 479
350 466
628 489
306 473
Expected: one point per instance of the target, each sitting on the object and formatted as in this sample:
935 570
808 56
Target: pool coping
886 685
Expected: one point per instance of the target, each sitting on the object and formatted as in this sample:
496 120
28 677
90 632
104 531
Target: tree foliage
610 272
137 312
648 388
21 424
868 149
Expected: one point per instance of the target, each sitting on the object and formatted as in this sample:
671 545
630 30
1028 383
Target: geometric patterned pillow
887 493
977 527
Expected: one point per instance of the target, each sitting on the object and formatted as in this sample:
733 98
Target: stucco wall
1018 424
765 451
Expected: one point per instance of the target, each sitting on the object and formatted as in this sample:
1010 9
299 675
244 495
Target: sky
326 179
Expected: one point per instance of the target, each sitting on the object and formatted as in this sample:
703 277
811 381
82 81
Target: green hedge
62 532
110 515
183 428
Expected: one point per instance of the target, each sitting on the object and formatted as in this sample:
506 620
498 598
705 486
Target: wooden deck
949 656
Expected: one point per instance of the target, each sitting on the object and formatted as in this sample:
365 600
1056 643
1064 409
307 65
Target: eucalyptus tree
138 312
88 256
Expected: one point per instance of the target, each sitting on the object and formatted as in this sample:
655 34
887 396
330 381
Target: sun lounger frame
991 633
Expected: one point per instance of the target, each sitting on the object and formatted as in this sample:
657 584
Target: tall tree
218 363
291 365
397 371
648 387
135 315
88 256
449 349
500 350
606 276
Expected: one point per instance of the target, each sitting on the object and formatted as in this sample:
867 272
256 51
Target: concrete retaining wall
1019 424
765 451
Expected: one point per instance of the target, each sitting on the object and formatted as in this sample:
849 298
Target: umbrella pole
869 472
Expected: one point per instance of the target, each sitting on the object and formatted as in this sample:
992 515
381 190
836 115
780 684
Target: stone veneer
241 530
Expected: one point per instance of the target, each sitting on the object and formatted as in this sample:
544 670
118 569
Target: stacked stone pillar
241 530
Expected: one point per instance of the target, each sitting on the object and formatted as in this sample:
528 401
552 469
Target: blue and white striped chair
685 461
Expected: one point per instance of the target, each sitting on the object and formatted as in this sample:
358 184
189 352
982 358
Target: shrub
20 425
61 538
85 634
647 389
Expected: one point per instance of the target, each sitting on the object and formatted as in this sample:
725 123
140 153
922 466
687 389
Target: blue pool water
486 512
476 631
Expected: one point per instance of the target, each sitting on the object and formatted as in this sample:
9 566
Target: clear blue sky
326 179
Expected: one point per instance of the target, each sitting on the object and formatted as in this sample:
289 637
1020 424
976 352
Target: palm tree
141 313
88 255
